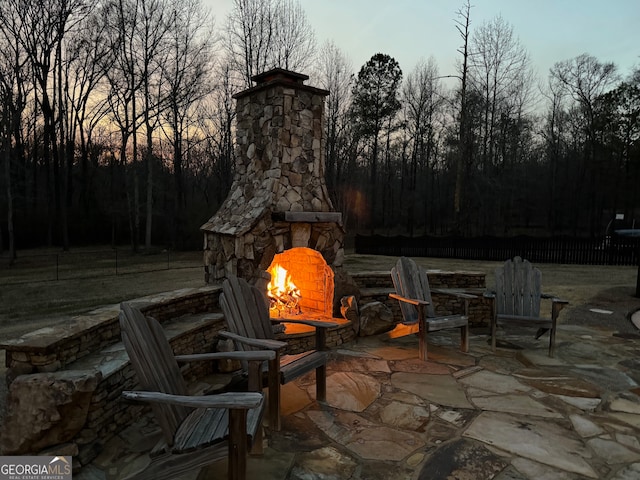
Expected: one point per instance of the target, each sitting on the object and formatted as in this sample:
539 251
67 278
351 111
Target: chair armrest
311 323
254 342
260 355
241 400
453 293
553 298
412 301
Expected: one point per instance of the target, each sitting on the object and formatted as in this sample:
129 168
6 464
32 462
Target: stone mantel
308 217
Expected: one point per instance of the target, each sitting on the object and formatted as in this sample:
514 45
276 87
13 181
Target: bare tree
14 75
500 70
423 99
152 33
264 34
83 71
585 79
217 117
250 37
294 40
44 27
138 32
185 83
463 24
335 75
119 68
554 133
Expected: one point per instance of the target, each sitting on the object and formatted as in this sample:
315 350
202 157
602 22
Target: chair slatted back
246 310
154 363
518 288
411 281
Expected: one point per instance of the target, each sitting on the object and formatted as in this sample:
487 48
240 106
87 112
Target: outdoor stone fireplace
278 200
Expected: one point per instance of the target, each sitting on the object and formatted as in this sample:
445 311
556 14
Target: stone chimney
279 198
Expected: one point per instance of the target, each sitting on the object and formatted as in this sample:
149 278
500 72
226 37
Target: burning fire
283 293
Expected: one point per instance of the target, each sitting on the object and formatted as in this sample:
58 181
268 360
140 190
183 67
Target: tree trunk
463 140
10 227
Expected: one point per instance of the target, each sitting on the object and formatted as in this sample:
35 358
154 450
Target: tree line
117 125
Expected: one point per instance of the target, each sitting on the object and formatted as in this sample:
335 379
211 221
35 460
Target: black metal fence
615 250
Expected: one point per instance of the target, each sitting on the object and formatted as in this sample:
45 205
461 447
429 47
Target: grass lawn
87 280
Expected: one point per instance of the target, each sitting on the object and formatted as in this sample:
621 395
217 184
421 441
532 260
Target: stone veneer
278 199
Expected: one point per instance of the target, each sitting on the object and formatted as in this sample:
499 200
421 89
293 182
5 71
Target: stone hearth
279 198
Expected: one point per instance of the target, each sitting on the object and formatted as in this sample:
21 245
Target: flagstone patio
515 414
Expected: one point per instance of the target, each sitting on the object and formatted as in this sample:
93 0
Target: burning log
283 294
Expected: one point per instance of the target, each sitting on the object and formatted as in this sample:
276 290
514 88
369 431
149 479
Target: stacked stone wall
376 286
298 343
102 373
53 348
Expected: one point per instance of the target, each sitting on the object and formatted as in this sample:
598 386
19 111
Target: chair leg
464 338
464 331
494 329
237 469
423 329
273 381
552 338
494 322
556 306
257 447
422 347
321 383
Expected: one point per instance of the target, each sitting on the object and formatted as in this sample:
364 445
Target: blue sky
550 30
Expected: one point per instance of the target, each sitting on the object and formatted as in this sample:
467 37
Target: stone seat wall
376 286
76 407
51 349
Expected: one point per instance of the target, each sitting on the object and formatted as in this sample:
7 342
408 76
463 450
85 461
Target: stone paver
440 389
518 404
540 441
365 438
351 391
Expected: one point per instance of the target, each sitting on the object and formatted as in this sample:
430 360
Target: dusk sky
550 30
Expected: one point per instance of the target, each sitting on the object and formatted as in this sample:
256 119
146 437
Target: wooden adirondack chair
414 295
246 311
517 300
197 430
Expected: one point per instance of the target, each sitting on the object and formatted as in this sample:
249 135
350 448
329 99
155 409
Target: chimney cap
280 74
280 77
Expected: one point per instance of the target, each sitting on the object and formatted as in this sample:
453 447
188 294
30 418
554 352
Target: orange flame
283 293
